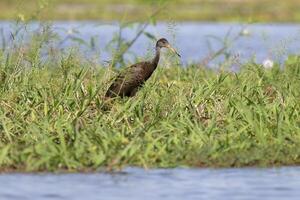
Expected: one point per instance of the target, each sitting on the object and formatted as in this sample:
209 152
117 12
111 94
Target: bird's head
164 43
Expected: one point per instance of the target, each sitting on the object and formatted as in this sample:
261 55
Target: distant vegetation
205 10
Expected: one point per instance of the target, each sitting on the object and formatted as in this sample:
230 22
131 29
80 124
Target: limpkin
127 83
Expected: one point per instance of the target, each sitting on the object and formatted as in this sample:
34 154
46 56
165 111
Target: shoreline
124 168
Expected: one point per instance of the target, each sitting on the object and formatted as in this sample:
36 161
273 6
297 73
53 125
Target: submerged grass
52 118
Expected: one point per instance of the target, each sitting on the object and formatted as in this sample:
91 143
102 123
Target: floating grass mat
52 117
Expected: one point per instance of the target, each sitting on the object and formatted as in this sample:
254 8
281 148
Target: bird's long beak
174 50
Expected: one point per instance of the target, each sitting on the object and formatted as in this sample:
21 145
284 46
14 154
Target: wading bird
127 83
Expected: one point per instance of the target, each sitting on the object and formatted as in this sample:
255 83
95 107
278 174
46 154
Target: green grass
52 116
179 10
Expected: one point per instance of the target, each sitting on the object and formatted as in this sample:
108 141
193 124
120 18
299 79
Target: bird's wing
127 80
138 71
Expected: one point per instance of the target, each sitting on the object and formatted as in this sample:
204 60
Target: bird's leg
133 92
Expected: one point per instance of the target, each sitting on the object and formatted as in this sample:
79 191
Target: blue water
158 184
195 41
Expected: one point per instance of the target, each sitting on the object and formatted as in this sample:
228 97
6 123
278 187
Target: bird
128 82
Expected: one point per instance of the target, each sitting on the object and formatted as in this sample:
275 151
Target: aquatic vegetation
51 116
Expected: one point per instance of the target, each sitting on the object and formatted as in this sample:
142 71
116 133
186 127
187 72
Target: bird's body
127 83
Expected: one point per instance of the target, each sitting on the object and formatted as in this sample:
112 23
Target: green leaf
150 36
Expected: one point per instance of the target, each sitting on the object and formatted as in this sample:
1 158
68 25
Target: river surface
195 41
157 184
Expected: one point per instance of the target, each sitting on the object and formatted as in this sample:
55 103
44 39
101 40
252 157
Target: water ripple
166 184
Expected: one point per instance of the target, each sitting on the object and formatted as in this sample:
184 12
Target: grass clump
52 117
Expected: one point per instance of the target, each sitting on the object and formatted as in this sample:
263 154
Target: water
195 41
159 184
264 41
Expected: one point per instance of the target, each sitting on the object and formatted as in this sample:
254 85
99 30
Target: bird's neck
156 58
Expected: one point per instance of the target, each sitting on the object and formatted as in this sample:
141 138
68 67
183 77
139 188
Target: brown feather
128 82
